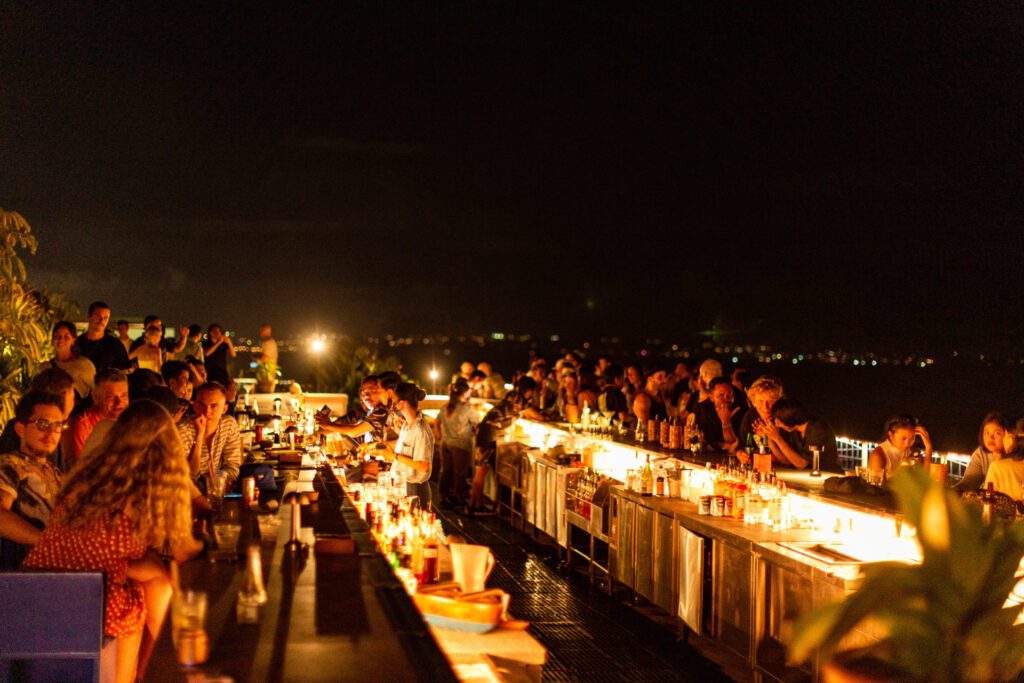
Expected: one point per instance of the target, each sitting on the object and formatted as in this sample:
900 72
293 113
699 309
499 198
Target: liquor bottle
646 479
763 458
659 484
739 504
431 565
675 435
653 430
585 419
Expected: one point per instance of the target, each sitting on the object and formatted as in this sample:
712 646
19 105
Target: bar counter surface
328 617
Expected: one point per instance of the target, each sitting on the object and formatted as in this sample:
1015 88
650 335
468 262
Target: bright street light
318 345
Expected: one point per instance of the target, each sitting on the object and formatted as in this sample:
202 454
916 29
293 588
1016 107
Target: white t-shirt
416 441
1006 476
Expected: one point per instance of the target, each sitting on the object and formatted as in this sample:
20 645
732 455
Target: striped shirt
225 451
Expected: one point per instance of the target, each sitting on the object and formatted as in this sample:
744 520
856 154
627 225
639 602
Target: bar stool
52 626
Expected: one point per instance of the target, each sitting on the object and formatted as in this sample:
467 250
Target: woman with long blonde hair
121 503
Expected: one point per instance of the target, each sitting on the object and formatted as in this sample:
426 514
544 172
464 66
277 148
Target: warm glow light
433 374
317 345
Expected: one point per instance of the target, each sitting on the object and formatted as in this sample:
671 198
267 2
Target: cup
248 491
471 565
226 535
188 627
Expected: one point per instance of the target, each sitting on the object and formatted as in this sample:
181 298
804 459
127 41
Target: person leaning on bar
789 416
515 404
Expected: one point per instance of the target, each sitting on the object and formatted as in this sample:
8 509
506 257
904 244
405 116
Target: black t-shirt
612 400
711 425
819 434
217 359
499 418
105 352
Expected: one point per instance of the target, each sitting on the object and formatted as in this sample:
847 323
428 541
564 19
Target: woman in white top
456 422
900 433
995 439
81 369
414 450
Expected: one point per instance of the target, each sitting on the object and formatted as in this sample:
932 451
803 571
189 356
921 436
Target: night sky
817 173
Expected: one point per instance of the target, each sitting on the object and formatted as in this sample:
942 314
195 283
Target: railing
854 453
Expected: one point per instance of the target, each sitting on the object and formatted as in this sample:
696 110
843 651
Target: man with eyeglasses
28 481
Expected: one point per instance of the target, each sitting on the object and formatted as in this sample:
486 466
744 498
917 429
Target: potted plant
944 619
266 377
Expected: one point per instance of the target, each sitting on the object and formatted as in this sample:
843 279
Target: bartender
365 423
516 404
413 453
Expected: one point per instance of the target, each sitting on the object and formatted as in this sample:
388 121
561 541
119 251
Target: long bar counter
741 584
328 617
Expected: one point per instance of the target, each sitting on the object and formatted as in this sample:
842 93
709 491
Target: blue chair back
51 628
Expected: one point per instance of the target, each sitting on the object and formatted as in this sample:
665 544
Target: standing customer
218 349
81 369
119 505
104 350
456 422
414 450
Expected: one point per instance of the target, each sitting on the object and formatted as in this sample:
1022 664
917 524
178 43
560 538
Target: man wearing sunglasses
28 482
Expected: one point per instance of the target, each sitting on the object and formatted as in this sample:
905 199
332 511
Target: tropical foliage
26 314
946 618
343 370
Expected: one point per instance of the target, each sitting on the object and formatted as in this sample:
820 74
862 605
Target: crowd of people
105 465
108 460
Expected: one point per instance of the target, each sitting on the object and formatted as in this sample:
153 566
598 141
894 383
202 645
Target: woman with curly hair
121 503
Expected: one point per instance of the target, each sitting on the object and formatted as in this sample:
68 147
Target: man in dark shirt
612 401
718 418
104 350
218 349
808 431
516 404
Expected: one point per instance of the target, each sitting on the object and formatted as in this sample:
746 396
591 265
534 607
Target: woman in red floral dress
119 504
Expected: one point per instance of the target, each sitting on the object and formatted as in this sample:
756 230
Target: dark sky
815 173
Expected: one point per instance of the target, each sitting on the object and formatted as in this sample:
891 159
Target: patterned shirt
32 483
225 450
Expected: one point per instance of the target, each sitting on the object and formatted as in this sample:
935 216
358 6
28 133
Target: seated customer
1007 474
900 433
995 435
110 398
718 419
762 395
100 524
612 400
211 440
808 431
50 381
28 482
